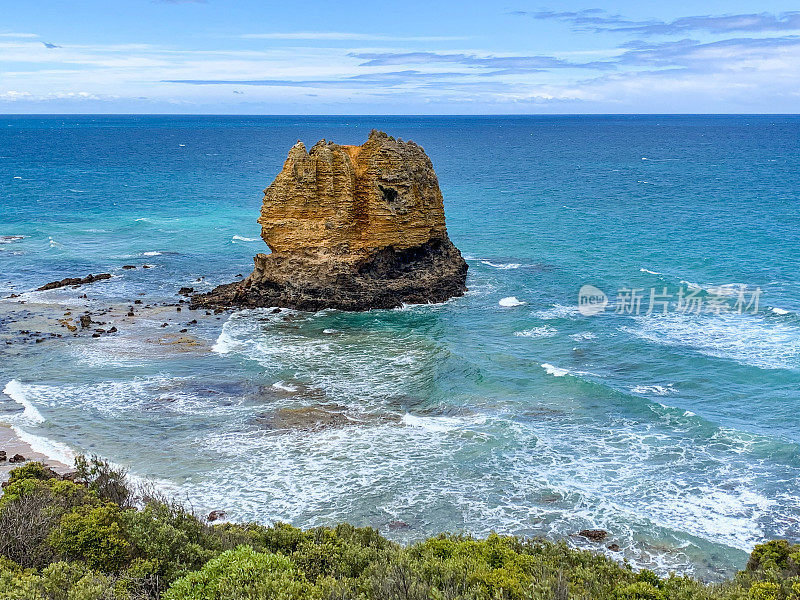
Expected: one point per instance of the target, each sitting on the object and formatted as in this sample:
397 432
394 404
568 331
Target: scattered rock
137 301
17 458
86 321
595 535
128 267
216 515
130 313
352 228
614 547
145 266
3 456
75 281
112 330
185 291
398 526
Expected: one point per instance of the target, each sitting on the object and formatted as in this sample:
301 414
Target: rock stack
352 228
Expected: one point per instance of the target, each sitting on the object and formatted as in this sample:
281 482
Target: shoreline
12 443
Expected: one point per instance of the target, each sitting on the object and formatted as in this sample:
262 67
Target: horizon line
415 115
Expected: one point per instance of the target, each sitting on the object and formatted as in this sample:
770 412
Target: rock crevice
353 228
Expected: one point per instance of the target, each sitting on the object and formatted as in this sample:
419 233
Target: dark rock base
387 278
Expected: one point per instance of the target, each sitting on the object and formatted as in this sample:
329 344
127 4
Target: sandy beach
12 444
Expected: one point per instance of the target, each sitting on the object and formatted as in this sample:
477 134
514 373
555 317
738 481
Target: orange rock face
353 199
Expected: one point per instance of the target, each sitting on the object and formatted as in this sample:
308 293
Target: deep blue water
678 433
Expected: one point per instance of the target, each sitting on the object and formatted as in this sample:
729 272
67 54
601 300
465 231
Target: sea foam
510 301
501 266
555 371
16 391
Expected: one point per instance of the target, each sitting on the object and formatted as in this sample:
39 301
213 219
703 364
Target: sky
411 57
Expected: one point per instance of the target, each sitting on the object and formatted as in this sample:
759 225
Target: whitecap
747 339
643 270
439 424
239 238
555 371
16 391
151 253
330 331
557 311
502 266
284 387
584 335
658 390
779 311
225 343
537 332
510 301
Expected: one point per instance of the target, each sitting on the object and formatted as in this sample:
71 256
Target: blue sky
411 57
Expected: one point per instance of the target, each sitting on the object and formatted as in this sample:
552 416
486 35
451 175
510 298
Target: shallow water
504 410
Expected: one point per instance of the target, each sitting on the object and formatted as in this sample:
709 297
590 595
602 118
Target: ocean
510 409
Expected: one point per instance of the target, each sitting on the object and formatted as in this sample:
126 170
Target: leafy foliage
85 540
244 574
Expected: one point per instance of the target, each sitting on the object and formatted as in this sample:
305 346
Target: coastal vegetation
94 536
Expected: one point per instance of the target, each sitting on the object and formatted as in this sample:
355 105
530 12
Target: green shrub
59 581
169 538
93 534
61 540
765 591
32 505
244 574
641 590
109 483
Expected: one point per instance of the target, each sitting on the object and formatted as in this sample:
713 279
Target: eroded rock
353 228
74 281
595 535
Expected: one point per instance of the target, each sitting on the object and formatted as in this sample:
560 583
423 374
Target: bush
59 581
32 505
95 535
244 574
109 483
61 540
169 538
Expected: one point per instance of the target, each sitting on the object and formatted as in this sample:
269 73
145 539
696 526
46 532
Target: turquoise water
677 433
